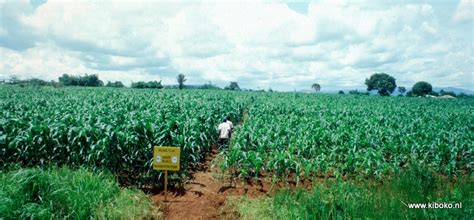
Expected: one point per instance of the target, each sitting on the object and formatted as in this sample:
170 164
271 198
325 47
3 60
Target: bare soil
205 195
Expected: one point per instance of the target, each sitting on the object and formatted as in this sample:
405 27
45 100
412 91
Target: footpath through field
204 196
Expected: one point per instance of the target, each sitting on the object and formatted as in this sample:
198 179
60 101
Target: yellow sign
166 158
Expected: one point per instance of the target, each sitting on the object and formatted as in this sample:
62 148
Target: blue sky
285 45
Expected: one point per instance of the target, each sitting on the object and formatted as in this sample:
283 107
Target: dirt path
204 197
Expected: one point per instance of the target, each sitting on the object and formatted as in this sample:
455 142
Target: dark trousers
223 142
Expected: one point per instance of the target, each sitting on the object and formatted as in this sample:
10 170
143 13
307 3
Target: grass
337 199
65 193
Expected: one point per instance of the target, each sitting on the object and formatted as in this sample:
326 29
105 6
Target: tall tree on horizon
316 87
382 82
233 86
181 79
422 88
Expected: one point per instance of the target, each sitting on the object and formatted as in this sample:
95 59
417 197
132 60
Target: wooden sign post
166 158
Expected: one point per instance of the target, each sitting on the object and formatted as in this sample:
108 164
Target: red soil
204 196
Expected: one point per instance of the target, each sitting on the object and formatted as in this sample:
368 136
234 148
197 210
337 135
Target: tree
341 92
233 86
14 80
147 85
421 89
384 83
90 80
209 86
154 85
27 82
86 80
181 79
67 80
402 90
357 92
316 87
36 82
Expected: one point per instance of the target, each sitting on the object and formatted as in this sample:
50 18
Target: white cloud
259 44
464 11
43 61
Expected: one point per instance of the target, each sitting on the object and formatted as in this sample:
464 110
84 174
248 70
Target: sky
283 45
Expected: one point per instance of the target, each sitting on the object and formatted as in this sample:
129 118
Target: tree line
385 85
92 80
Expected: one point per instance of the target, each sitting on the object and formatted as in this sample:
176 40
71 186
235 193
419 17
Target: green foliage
442 92
340 92
421 89
384 83
181 79
335 199
286 135
402 90
316 87
116 84
465 96
357 92
111 129
63 193
289 137
233 86
248 208
208 86
29 82
86 80
147 85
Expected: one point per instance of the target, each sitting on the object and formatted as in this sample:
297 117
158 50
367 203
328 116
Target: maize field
109 129
301 136
282 135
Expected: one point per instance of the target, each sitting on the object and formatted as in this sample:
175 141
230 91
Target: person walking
231 125
224 133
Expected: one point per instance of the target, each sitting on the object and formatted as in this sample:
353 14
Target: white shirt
231 124
224 130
